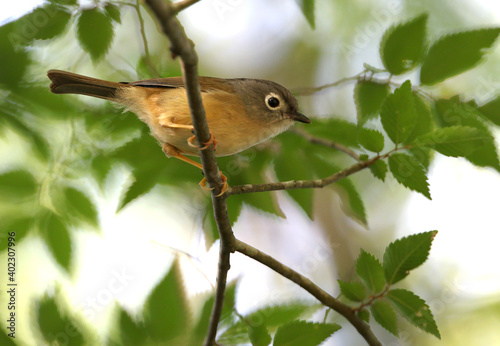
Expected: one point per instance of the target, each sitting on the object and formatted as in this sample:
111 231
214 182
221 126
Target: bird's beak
300 117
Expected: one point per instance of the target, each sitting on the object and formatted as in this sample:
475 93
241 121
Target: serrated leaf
166 312
80 206
371 140
491 111
424 122
364 315
398 114
352 290
16 186
455 141
95 33
113 12
369 97
409 172
272 317
452 113
259 336
56 234
144 181
48 21
131 332
303 333
456 53
307 7
379 169
406 254
52 324
370 271
403 46
385 315
414 309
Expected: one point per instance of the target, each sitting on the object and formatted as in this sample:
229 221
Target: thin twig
327 143
325 298
183 47
302 184
181 5
312 90
147 56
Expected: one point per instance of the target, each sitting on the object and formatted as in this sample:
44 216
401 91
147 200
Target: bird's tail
71 83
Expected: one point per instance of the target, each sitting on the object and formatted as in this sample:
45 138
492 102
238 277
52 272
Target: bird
240 112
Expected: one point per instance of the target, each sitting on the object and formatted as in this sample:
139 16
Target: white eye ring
273 101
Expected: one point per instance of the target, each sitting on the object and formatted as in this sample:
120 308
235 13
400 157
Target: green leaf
414 309
272 317
166 312
229 302
200 329
13 55
455 141
336 130
371 140
370 271
6 340
302 333
385 315
144 181
456 53
259 336
398 114
17 186
113 12
424 122
50 21
455 113
406 254
491 111
364 315
21 226
409 172
56 235
289 165
307 7
369 97
131 332
53 324
352 204
403 46
95 33
379 169
80 206
352 290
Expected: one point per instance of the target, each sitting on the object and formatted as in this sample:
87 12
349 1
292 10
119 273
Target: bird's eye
272 101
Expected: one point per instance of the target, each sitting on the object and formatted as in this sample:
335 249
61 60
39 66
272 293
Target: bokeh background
271 39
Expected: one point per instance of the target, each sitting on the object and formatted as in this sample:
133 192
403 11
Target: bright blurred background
271 39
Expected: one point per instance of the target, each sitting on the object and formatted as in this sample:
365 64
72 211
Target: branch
306 91
181 5
327 143
302 184
326 299
183 47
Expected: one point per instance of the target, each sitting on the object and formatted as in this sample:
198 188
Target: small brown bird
240 112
